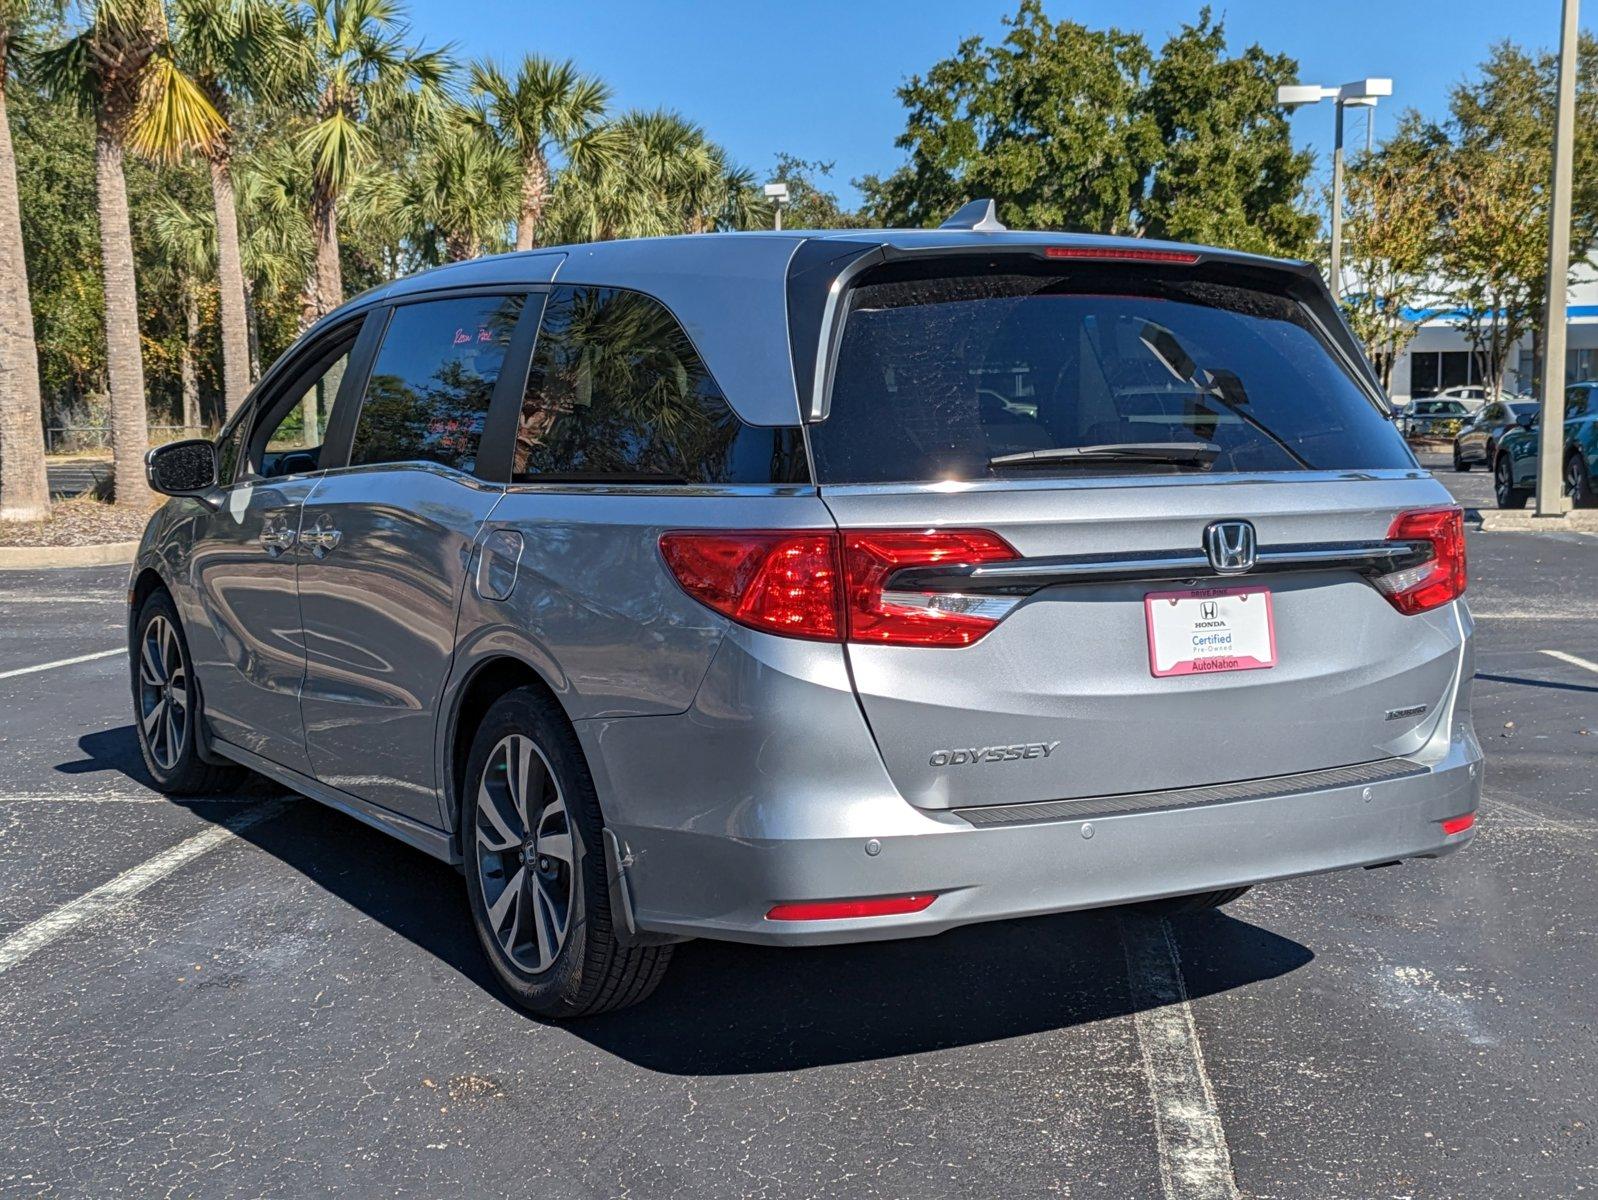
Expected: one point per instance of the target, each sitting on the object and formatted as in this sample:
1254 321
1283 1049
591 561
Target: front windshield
986 375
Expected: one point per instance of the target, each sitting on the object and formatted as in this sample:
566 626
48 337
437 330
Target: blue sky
817 78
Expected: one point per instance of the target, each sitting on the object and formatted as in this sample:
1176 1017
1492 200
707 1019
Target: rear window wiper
1173 453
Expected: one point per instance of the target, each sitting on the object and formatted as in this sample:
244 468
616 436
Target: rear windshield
975 376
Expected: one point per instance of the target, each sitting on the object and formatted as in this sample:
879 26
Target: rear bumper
707 850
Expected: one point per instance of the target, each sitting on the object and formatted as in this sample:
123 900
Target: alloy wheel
163 693
1574 484
525 862
1503 484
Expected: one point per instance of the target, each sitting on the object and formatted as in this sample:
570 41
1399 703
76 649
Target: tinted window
431 383
966 376
617 394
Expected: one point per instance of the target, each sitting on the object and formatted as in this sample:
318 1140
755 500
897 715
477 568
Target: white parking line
60 662
36 935
1195 1163
1573 659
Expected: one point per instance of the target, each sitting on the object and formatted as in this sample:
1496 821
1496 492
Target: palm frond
173 116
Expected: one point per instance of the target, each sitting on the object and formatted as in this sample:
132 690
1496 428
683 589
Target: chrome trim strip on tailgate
1087 807
1026 575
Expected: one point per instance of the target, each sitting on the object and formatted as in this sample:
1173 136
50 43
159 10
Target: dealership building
1439 356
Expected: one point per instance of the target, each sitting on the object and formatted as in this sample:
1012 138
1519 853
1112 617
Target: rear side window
988 375
618 394
430 386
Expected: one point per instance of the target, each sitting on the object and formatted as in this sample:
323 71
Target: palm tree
455 199
188 245
24 487
548 109
121 68
358 72
278 252
664 177
235 50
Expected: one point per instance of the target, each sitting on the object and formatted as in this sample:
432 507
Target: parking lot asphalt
255 996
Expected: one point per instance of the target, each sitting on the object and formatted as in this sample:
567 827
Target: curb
1498 520
32 558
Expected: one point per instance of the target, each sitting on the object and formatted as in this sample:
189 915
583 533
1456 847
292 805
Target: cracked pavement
303 1008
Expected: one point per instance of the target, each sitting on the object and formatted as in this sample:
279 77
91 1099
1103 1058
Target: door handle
322 539
277 536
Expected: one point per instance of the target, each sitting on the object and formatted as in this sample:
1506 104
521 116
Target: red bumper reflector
1458 824
833 910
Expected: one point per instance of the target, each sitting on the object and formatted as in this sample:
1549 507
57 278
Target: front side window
986 374
618 394
288 438
432 381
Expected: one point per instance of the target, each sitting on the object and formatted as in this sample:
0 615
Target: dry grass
81 521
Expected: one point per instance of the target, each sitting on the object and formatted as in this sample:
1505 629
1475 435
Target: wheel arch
145 583
482 686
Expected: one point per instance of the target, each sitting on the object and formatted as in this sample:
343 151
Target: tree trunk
188 370
230 285
326 290
535 191
252 320
24 487
130 428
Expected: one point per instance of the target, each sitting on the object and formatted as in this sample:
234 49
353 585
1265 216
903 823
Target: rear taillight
1441 577
783 583
837 587
879 612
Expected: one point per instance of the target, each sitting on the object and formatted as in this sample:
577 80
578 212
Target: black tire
1459 463
1175 906
168 710
1578 482
1504 490
588 971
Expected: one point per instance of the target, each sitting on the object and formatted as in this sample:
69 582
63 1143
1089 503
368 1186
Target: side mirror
1526 420
185 468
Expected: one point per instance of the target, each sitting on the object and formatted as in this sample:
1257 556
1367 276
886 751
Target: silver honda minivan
798 588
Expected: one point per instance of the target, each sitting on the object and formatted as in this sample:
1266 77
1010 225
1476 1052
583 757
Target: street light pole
1337 205
1362 93
1551 501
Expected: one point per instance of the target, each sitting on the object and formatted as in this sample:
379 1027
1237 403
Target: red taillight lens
835 587
783 583
1457 824
1439 579
911 618
832 910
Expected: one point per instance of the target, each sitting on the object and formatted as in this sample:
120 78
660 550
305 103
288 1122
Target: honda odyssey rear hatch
1117 524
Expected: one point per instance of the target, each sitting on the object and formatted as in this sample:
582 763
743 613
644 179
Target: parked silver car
800 588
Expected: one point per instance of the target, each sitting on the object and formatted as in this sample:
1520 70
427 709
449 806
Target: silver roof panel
730 289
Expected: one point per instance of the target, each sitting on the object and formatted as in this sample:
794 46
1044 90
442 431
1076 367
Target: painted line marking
1573 659
6 598
36 935
1195 1163
121 798
60 662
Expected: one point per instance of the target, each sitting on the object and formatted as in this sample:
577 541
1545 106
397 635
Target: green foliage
811 205
1075 128
1227 173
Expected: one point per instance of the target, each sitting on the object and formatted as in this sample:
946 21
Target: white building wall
1581 333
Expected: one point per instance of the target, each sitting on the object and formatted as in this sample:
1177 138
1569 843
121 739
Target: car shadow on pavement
728 1009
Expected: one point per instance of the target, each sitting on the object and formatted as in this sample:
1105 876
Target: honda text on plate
799 588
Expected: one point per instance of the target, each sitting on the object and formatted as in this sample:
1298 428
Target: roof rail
980 215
